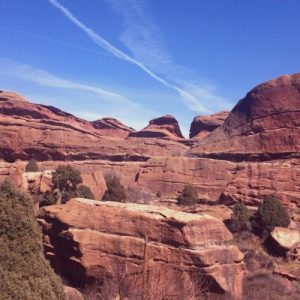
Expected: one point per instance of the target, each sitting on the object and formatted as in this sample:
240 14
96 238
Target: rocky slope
162 127
124 246
263 125
204 125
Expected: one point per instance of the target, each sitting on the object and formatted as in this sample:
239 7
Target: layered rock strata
264 125
142 249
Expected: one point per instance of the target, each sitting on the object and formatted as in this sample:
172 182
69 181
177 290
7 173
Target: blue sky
140 59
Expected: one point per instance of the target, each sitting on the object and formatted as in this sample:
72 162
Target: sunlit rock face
263 125
203 125
114 243
162 127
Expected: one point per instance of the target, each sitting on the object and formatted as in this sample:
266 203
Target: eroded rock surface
263 125
203 125
114 243
285 238
163 127
47 133
112 127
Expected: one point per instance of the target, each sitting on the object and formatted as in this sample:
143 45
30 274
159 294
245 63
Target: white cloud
59 91
188 98
145 41
45 78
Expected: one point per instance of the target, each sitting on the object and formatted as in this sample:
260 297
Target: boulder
136 249
162 127
285 238
72 293
203 125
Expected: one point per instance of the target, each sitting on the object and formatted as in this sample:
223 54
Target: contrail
100 41
42 37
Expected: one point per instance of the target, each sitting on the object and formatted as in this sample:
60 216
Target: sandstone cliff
126 245
47 133
264 125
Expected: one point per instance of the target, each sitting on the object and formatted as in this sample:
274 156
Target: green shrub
68 195
32 166
66 178
115 190
84 191
188 196
240 218
49 199
24 272
269 215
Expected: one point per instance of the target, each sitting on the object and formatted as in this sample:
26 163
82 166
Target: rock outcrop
203 125
253 154
286 241
5 96
163 127
264 125
112 127
46 133
135 249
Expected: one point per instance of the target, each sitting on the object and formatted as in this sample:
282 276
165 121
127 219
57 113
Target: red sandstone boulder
263 125
285 238
163 127
204 125
121 246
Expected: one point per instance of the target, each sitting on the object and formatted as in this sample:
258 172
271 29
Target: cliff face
47 133
254 153
263 125
181 254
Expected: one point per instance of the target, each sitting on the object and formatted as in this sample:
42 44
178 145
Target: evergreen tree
24 272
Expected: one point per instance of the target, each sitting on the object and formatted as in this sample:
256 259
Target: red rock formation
46 133
112 127
204 125
263 125
117 244
166 126
4 96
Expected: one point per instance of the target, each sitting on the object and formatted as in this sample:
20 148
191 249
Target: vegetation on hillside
240 218
24 272
32 166
270 214
66 178
115 190
188 196
67 184
84 191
